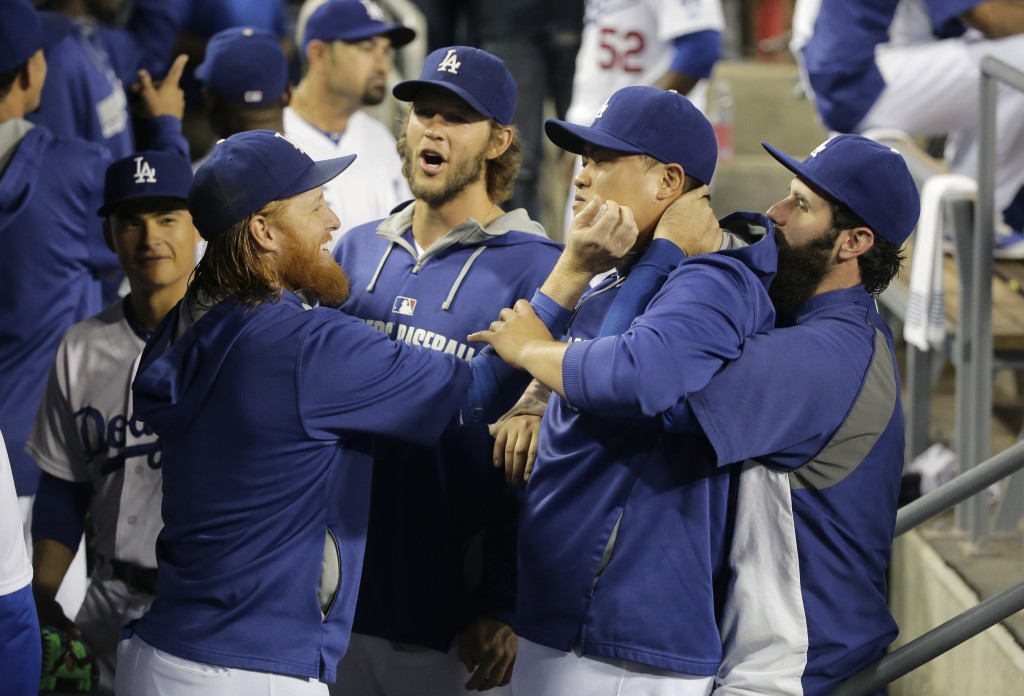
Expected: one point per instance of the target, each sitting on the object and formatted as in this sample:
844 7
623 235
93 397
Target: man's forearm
566 283
543 360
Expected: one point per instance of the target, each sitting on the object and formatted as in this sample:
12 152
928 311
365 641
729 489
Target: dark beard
470 172
307 269
801 270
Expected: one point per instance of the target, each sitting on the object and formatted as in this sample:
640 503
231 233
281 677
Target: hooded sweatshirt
265 414
624 532
430 504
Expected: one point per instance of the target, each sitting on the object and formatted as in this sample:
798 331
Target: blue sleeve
696 53
400 390
162 133
643 281
791 409
695 323
496 385
59 510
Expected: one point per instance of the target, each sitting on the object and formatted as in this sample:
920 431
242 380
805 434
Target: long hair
234 266
500 172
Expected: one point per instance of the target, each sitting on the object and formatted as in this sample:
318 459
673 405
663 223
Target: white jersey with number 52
629 42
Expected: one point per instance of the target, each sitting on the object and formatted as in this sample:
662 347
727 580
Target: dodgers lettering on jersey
105 440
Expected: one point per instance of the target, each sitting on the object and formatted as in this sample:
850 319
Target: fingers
495 670
498 453
145 81
520 450
174 74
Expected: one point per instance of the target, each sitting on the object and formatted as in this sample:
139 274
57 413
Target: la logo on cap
144 174
815 151
281 136
373 11
600 112
450 63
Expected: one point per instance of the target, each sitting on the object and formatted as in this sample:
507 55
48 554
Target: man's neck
150 307
430 223
321 109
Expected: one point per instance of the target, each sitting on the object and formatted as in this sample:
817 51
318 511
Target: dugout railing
974 422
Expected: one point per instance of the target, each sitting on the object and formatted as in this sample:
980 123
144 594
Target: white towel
925 325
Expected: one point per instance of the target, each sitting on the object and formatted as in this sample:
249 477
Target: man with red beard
431 273
267 404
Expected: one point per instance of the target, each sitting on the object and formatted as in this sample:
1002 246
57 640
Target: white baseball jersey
85 430
629 42
15 569
372 186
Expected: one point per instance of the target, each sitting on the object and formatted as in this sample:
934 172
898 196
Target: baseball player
255 389
915 65
95 454
20 654
816 500
245 82
348 46
609 514
430 274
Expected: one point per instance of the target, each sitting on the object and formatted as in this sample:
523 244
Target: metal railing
973 427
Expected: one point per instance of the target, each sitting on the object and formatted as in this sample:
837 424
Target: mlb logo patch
404 305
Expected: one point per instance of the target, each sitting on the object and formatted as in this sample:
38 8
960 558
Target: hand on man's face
601 234
690 223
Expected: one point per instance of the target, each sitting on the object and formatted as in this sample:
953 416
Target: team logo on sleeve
144 174
404 305
450 63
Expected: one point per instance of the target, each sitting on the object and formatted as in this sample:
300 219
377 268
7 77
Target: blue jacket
624 530
430 506
265 415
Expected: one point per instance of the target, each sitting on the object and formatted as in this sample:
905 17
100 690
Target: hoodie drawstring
462 274
380 267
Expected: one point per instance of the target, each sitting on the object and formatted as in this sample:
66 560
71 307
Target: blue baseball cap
479 78
249 170
353 20
245 66
869 178
146 174
25 30
646 121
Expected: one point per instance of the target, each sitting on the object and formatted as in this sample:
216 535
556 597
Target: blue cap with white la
24 31
869 178
477 77
249 170
146 175
244 65
646 121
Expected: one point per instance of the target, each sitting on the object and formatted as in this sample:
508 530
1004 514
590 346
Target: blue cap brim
798 168
317 175
573 137
107 208
407 91
55 28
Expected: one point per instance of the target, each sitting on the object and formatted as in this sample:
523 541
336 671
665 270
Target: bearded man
438 269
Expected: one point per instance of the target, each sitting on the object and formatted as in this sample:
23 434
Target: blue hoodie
52 263
265 414
624 532
429 505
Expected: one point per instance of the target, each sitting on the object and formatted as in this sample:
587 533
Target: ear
286 98
30 76
855 242
499 143
671 180
108 235
264 234
315 52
